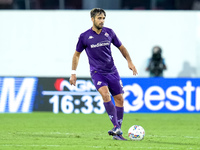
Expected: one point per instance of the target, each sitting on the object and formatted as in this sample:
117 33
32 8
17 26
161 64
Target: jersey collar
102 31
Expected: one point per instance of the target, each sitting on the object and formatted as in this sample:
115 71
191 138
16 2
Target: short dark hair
96 11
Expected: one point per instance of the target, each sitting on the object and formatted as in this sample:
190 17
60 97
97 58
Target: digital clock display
58 95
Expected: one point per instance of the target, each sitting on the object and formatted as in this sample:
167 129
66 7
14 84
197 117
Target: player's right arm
75 61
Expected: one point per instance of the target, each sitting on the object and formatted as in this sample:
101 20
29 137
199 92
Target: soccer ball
136 133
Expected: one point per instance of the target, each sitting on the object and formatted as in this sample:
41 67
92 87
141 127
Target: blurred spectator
156 64
196 5
6 4
49 4
136 4
184 4
6 1
187 70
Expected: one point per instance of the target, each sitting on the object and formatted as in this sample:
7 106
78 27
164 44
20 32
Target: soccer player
97 43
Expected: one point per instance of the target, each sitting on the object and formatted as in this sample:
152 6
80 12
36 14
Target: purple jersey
98 49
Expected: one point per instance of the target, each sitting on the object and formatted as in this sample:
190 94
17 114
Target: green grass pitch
48 131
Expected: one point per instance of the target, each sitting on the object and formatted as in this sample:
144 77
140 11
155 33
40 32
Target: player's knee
119 100
106 97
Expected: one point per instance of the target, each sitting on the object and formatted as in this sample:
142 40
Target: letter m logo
17 94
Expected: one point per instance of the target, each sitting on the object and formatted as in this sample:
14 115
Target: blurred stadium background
38 39
106 4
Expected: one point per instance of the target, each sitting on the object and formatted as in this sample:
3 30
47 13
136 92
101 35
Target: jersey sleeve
80 45
115 39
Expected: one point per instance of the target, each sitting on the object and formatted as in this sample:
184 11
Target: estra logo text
155 98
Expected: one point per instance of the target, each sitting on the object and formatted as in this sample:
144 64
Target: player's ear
92 18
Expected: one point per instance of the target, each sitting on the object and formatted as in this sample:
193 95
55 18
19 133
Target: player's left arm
126 55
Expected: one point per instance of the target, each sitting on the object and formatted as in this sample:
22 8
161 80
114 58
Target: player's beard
98 26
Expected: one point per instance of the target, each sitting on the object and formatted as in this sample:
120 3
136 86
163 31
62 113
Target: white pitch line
29 145
191 137
135 147
172 136
172 148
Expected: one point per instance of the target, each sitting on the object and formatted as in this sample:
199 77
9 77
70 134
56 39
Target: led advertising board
141 95
17 95
176 95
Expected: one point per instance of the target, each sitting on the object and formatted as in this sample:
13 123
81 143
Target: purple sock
110 109
120 114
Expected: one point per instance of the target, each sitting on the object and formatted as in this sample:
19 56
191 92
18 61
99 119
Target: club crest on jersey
106 34
99 83
90 37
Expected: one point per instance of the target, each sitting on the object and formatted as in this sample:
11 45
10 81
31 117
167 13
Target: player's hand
132 67
72 79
